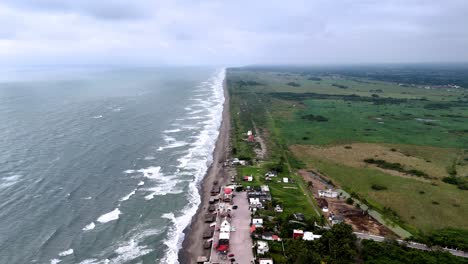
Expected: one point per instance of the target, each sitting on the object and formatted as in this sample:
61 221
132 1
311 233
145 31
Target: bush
317 118
349 201
293 84
378 187
461 183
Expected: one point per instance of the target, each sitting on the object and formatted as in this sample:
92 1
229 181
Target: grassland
332 123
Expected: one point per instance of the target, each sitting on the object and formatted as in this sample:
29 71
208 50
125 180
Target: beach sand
192 246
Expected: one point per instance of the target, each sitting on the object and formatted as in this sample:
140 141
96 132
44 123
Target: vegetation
395 166
391 252
413 130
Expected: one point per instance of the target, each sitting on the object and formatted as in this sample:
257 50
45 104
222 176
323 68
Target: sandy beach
192 246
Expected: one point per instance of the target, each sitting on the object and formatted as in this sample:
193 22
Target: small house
327 193
265 261
336 219
248 178
265 188
299 216
297 233
309 236
257 222
278 209
262 247
271 174
255 203
285 180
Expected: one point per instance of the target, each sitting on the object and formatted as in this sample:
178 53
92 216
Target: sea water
103 164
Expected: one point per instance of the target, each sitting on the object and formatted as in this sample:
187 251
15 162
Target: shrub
349 201
378 187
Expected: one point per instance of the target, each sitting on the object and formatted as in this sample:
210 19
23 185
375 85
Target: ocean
103 164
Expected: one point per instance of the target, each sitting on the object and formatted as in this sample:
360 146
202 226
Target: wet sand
192 246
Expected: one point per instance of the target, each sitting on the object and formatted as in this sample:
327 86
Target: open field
333 122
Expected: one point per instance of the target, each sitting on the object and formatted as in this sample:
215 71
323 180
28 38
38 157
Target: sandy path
192 247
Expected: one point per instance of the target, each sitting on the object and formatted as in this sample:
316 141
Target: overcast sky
232 32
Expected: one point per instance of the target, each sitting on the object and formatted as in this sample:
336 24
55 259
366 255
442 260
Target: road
411 244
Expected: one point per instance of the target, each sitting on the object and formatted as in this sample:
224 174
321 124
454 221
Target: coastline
192 246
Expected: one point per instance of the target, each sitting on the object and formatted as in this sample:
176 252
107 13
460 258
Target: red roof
223 248
227 190
252 228
275 237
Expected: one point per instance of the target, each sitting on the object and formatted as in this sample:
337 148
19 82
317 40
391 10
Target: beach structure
208 233
329 193
215 190
298 233
262 247
202 259
309 236
209 218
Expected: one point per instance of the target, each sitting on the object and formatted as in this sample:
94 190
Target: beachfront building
225 226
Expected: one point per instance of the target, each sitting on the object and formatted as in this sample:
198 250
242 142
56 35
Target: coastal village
241 216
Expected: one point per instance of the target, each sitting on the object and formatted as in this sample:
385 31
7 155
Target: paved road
411 244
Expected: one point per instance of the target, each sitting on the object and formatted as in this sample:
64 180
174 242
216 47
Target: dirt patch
359 220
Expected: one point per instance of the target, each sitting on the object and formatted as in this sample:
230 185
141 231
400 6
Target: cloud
232 32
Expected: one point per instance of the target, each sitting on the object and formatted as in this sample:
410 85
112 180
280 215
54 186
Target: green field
425 124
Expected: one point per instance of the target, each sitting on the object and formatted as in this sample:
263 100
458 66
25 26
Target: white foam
196 161
130 171
126 197
174 144
97 116
111 216
134 248
141 183
172 130
151 172
87 198
149 158
95 261
55 261
66 252
89 226
10 180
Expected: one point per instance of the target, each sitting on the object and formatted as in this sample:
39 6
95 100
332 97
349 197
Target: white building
255 202
262 247
278 209
327 193
309 236
257 222
265 188
225 226
285 180
265 261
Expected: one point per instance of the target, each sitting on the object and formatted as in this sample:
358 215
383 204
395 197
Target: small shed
297 233
285 180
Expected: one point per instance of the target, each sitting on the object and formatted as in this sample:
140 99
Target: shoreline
192 246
